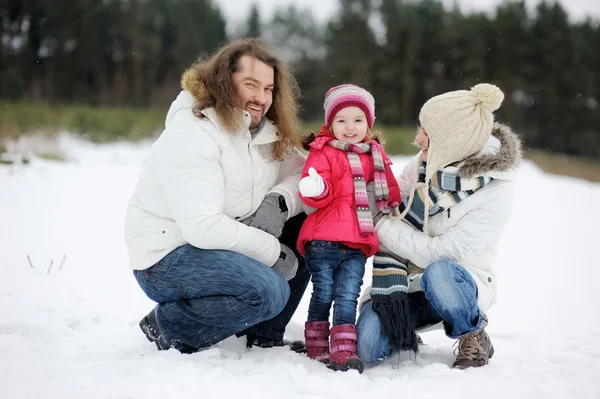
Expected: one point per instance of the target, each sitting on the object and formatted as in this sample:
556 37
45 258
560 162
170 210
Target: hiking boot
150 328
316 336
255 340
474 350
343 349
265 343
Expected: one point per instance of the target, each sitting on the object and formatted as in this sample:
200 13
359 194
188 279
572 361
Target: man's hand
270 216
287 264
312 185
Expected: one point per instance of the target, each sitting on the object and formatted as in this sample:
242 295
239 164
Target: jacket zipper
251 170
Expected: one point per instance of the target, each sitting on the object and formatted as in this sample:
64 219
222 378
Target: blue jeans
336 271
205 296
449 295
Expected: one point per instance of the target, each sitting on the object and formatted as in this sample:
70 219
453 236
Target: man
212 224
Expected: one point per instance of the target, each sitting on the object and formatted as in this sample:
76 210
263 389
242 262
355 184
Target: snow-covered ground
71 330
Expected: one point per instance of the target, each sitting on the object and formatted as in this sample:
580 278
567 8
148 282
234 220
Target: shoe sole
353 364
466 366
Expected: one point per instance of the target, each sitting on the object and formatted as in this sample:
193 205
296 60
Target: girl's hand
312 185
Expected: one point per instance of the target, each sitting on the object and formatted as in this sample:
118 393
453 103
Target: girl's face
422 140
350 125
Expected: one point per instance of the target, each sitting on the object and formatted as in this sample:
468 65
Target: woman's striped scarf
446 189
382 193
390 272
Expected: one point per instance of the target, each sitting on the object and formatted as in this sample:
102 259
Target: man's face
253 85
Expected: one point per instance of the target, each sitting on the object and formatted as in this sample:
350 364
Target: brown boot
474 350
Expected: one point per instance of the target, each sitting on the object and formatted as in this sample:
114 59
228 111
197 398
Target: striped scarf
390 272
445 190
382 194
389 294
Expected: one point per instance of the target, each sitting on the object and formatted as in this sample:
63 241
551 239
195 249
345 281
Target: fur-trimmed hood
495 162
192 83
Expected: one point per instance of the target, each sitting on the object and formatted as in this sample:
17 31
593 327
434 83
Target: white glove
312 185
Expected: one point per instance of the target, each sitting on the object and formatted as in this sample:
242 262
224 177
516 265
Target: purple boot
316 334
343 349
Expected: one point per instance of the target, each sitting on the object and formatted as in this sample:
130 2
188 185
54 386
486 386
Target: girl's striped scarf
382 193
390 272
445 190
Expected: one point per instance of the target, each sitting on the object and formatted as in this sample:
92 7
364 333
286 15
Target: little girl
338 237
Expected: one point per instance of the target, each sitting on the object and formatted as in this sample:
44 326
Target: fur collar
506 158
191 83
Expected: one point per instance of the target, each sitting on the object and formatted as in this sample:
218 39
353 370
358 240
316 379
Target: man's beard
254 123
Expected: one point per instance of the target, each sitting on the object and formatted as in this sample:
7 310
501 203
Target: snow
71 331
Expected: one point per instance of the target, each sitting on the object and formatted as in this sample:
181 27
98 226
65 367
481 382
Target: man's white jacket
200 180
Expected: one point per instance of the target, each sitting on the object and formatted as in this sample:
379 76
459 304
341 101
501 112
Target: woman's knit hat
458 124
348 95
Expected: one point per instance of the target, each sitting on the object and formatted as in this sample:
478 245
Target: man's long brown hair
211 82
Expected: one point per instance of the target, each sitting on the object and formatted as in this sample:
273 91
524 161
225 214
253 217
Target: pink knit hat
349 95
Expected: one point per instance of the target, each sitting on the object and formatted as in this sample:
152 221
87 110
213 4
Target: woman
457 197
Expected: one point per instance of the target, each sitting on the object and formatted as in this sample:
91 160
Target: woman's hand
375 211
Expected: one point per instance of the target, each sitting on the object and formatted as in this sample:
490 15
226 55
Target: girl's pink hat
349 95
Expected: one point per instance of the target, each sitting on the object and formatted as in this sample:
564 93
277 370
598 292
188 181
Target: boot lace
469 347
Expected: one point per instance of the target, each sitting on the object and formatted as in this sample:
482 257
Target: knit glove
287 264
312 185
375 212
270 216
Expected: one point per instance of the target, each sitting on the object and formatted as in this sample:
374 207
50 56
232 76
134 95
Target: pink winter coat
335 218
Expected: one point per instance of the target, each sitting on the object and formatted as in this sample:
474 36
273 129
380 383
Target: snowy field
71 330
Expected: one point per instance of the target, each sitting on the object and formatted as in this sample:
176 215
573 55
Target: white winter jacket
201 179
468 232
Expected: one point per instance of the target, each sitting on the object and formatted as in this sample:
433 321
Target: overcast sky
237 10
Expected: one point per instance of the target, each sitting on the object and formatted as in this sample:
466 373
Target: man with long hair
212 224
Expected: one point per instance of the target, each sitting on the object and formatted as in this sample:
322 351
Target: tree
253 26
350 45
509 58
552 60
300 39
396 64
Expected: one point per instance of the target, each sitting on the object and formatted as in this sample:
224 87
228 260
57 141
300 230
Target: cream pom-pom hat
459 124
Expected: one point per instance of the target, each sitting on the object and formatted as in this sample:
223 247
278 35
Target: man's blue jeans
449 295
336 271
205 296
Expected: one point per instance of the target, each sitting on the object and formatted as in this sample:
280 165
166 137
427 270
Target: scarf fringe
396 323
390 300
